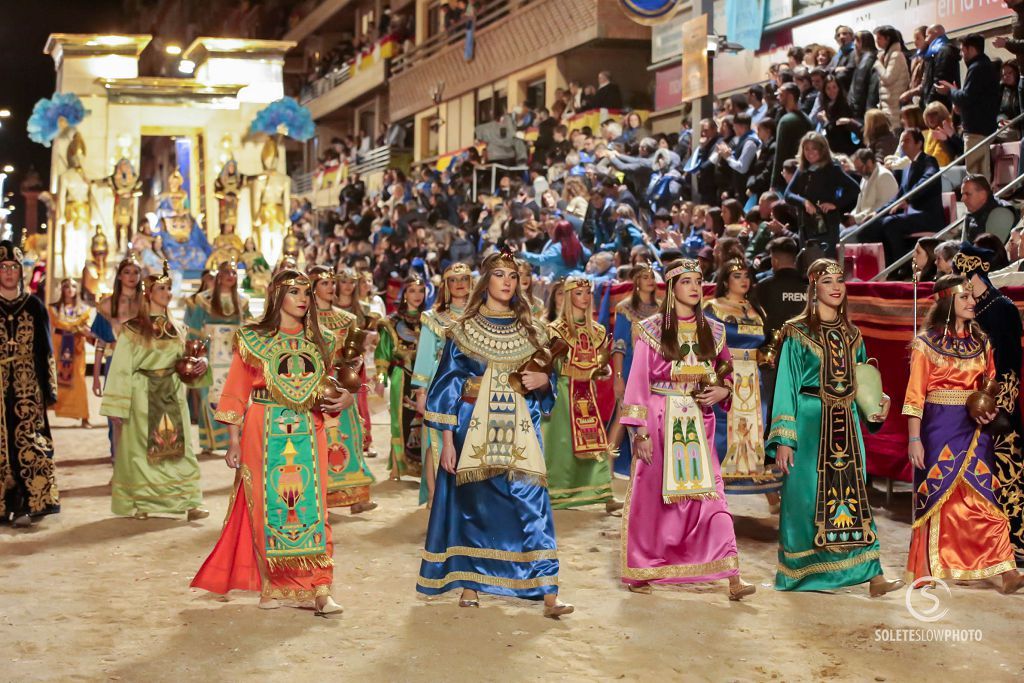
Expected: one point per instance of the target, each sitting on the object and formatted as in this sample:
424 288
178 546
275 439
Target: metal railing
494 175
914 191
491 12
327 83
958 223
302 183
377 159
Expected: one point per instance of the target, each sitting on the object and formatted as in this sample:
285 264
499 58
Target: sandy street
87 596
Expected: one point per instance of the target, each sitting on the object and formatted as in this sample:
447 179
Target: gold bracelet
641 437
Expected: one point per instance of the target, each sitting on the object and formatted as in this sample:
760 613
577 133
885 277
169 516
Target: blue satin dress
493 536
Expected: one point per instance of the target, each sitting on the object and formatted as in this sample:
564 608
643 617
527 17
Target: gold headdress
953 291
641 268
300 280
130 259
457 270
347 274
321 275
831 268
507 258
230 264
734 265
77 147
575 282
268 155
687 265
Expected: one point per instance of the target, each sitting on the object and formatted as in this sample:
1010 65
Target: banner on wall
695 59
744 22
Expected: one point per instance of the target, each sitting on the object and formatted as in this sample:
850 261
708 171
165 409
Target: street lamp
8 169
173 50
5 113
187 66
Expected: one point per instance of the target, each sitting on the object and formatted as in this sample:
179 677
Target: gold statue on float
227 246
271 195
74 207
127 188
94 274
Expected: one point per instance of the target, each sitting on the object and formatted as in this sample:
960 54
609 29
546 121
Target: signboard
667 38
668 87
695 58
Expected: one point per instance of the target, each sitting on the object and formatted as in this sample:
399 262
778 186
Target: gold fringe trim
499 581
491 554
782 433
681 571
296 594
302 562
484 473
822 567
669 500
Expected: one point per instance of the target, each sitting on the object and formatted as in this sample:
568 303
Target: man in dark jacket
923 213
941 63
739 156
608 95
863 94
978 101
760 179
1016 46
793 125
985 213
844 62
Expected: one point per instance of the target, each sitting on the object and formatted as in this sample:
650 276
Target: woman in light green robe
827 534
155 469
217 323
576 449
452 296
394 357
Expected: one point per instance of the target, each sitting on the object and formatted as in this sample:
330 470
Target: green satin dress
827 536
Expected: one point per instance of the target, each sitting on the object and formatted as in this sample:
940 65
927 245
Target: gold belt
948 397
672 389
159 372
577 373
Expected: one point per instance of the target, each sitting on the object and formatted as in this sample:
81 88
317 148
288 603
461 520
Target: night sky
26 74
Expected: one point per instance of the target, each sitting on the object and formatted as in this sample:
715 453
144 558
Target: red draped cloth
884 312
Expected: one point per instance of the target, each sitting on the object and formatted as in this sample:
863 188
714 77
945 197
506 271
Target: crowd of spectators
775 177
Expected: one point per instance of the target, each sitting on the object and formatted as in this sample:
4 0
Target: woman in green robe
155 470
452 296
576 448
216 314
827 535
395 355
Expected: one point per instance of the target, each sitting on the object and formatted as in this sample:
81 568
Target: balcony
510 35
321 186
350 81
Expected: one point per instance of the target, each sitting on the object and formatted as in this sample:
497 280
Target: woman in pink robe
676 525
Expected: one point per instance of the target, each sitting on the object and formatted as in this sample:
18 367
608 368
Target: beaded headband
687 265
642 268
347 274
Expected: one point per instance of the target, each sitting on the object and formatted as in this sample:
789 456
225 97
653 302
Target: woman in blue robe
490 527
642 303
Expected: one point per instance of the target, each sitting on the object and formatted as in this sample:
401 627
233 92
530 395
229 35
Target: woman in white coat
893 72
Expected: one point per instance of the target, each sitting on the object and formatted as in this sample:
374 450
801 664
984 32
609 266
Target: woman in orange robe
277 537
70 330
960 531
